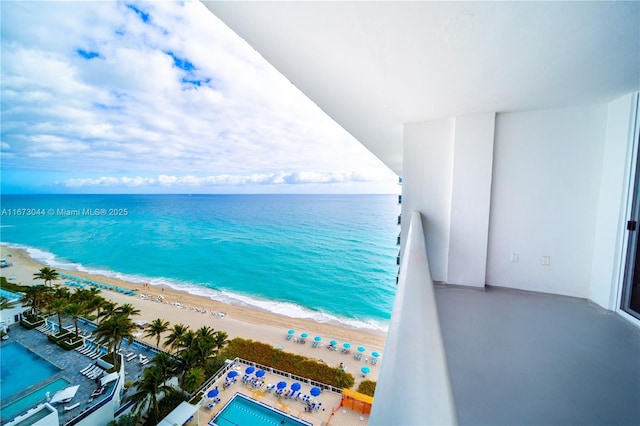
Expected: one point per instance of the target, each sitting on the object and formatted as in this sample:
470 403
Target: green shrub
299 365
31 322
12 287
71 343
57 338
367 387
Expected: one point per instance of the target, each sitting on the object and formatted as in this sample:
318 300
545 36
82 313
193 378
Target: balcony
510 357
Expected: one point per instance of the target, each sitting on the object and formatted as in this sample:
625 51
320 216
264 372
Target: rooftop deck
329 413
70 363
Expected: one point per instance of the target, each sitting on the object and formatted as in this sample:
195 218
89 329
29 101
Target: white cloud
297 178
178 95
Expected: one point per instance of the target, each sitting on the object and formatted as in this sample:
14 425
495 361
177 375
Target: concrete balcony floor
520 358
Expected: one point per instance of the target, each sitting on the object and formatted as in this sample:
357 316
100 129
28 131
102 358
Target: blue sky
160 97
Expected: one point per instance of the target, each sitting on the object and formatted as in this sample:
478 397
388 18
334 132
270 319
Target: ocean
330 258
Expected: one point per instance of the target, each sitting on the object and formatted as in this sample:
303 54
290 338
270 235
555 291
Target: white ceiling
373 66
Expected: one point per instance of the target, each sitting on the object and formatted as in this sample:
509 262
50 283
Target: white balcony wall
546 184
427 165
470 199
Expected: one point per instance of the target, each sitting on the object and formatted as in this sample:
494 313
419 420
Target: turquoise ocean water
326 257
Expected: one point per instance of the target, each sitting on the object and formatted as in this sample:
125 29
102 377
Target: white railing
414 386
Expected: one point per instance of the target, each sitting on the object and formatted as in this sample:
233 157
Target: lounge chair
98 391
131 356
87 368
146 361
71 407
90 371
97 373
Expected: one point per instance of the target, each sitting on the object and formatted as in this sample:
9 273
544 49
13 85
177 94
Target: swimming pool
21 368
242 410
9 295
39 395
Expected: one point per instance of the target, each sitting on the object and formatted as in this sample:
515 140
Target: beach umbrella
365 370
64 394
213 393
333 343
346 345
304 335
260 373
375 354
317 338
291 332
296 386
232 374
315 391
249 370
281 385
361 349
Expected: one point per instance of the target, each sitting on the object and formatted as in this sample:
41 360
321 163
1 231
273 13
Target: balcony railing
414 387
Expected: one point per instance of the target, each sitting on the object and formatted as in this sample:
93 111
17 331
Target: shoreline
225 297
238 321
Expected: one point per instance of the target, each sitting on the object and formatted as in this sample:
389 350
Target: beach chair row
91 350
92 371
47 328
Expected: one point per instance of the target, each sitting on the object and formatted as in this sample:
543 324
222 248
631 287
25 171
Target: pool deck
330 414
70 363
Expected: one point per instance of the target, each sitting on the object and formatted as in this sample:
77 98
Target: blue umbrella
260 373
317 338
361 349
281 385
213 393
249 370
315 391
365 370
346 345
291 331
296 386
304 335
333 343
375 354
232 374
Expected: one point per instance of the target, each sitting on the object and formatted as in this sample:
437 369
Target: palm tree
156 328
167 365
112 331
35 296
187 341
47 274
5 303
192 379
175 338
76 309
57 306
147 389
127 309
108 309
220 339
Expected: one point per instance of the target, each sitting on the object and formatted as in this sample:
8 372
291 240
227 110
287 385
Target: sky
159 97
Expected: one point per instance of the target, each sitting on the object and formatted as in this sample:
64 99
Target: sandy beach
237 321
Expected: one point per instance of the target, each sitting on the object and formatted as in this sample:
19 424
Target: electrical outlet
546 260
515 257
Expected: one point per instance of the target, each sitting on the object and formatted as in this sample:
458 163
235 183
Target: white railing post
414 386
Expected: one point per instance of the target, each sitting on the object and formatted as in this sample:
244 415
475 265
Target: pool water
38 396
9 295
21 368
242 410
